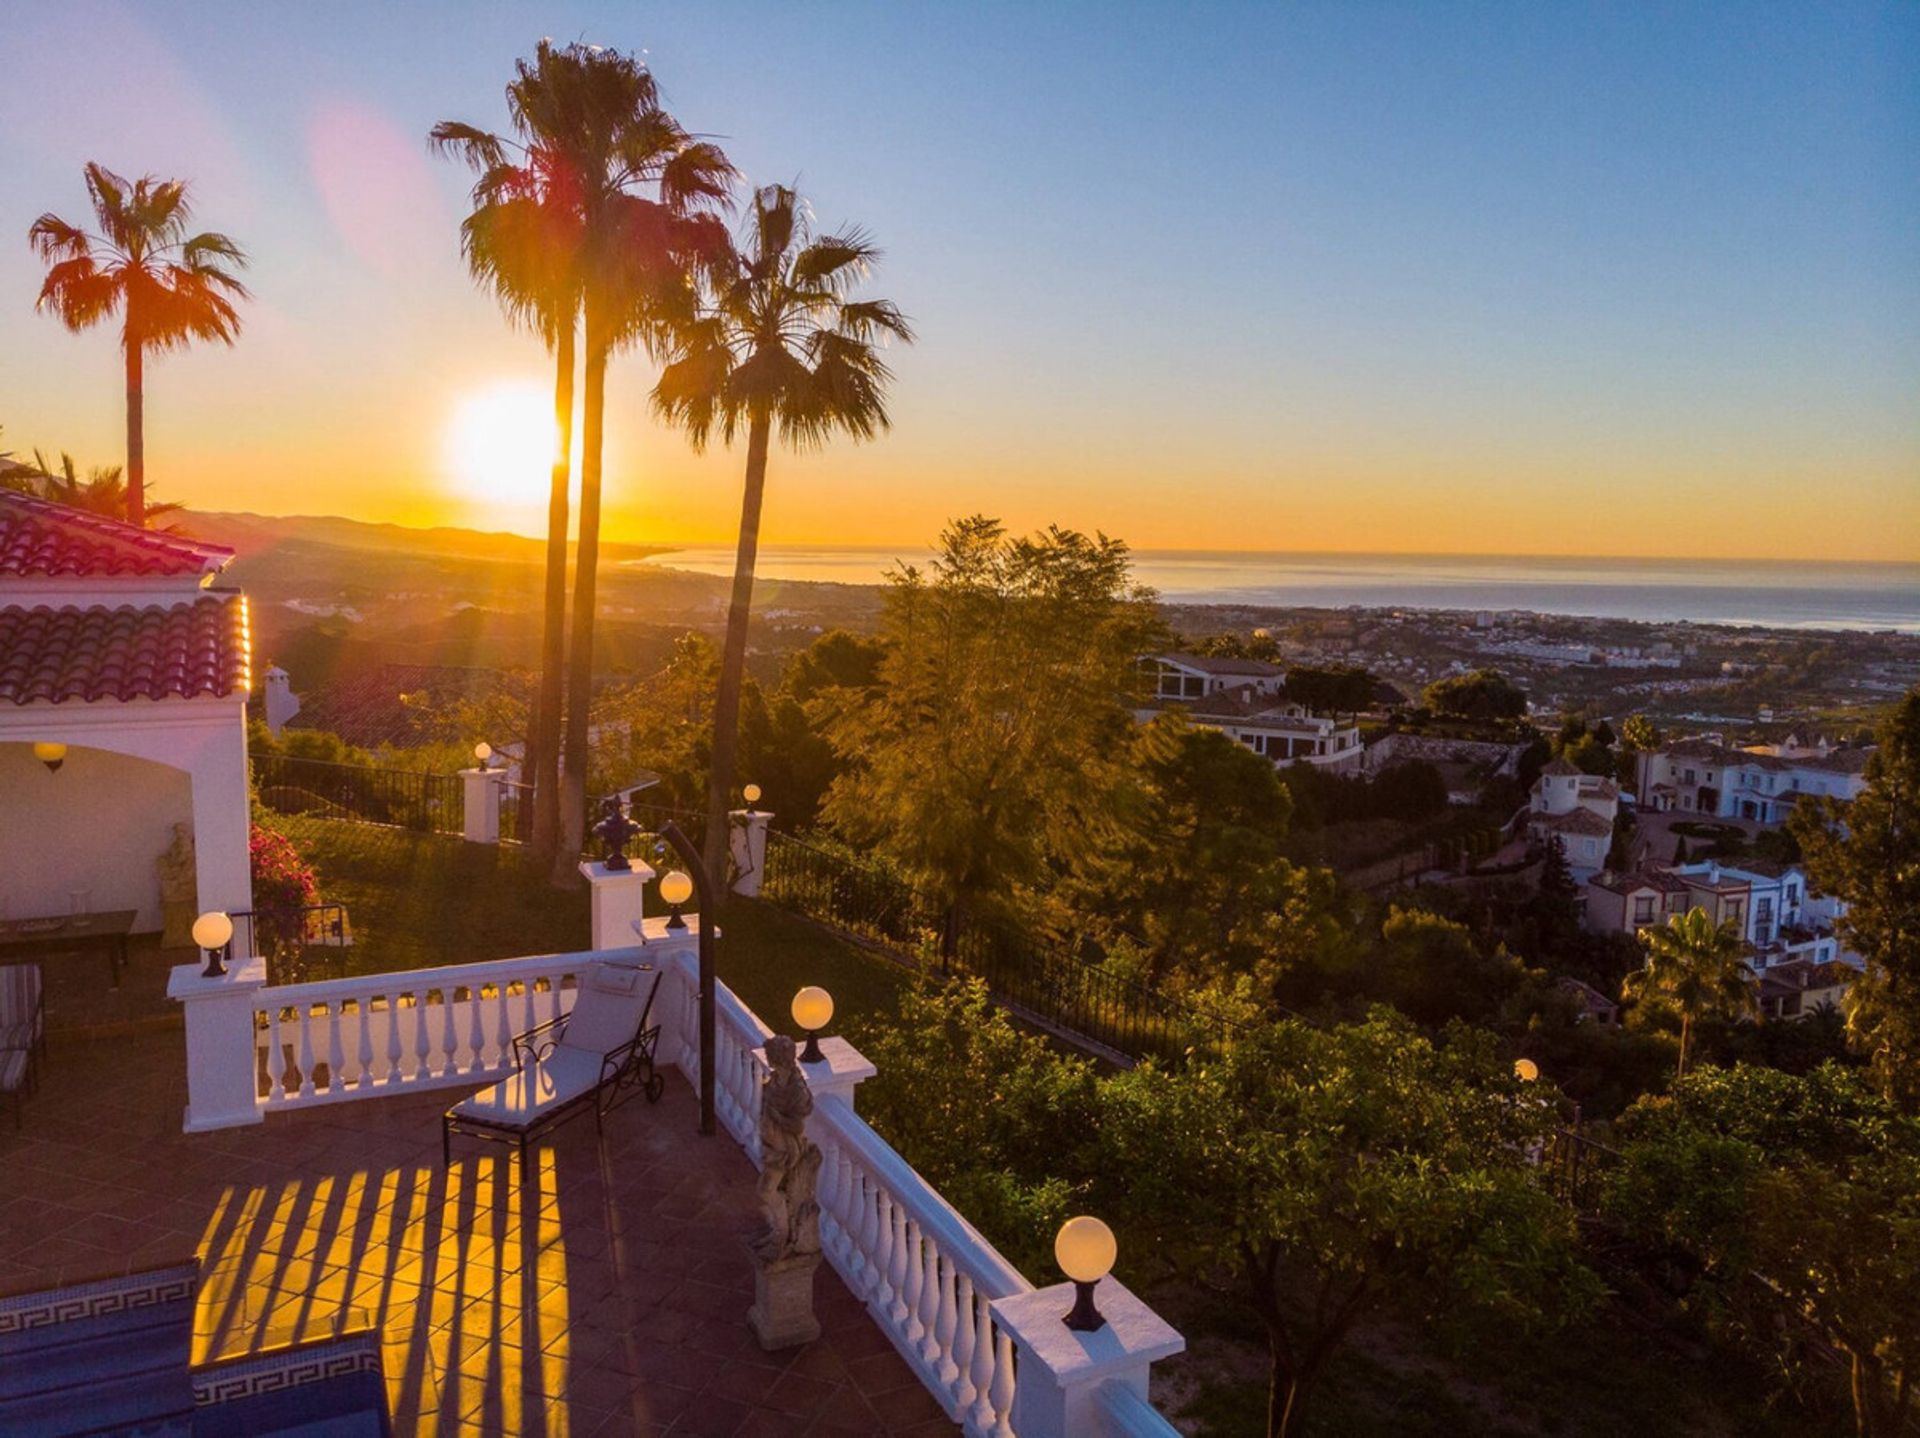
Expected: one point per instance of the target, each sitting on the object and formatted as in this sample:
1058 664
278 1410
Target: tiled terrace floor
608 1296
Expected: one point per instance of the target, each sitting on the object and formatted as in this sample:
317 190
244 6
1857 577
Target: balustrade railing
387 1033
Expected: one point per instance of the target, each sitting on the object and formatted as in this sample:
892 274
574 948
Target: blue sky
1530 277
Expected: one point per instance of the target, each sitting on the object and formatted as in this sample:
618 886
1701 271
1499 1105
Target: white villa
1762 784
1242 698
1578 809
1790 932
124 673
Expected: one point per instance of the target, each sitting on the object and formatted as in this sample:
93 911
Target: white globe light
752 793
1526 1070
212 930
812 1009
483 751
1085 1249
676 887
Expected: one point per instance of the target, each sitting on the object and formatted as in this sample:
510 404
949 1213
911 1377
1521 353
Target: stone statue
786 1249
789 1162
179 889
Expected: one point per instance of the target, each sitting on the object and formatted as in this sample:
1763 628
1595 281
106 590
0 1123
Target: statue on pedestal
786 1248
179 889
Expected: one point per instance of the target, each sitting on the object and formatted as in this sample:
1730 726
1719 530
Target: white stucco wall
99 824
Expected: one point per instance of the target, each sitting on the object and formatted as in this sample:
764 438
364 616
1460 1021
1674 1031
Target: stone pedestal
1061 1369
782 1313
616 903
221 1052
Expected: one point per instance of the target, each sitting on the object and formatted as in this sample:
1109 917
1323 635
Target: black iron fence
427 802
1576 1168
516 811
1038 980
306 943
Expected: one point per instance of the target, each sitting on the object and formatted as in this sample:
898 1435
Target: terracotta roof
1560 767
1574 821
181 651
43 540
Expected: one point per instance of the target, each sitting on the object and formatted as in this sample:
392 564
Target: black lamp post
696 870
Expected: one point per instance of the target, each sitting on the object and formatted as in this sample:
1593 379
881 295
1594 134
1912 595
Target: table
29 941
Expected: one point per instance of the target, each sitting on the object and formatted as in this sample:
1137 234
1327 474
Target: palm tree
522 241
782 343
102 492
1697 966
169 289
594 244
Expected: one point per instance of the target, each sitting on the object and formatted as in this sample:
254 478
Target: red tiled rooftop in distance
181 651
43 540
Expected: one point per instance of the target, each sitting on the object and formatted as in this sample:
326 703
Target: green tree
1328 1175
1483 695
102 492
1866 852
169 288
1798 1197
995 748
1345 689
1432 969
783 345
1696 968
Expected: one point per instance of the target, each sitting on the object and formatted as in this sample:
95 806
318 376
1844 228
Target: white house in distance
124 662
1242 698
1763 784
1789 931
1578 809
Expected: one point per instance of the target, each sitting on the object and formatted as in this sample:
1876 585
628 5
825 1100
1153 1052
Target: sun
499 444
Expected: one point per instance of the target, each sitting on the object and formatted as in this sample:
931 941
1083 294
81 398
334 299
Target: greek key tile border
277 1372
26 1311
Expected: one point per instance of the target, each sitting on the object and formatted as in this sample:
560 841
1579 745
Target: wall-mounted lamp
1085 1250
213 931
51 754
676 887
813 1011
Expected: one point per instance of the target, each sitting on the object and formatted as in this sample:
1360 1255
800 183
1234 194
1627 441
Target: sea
1784 594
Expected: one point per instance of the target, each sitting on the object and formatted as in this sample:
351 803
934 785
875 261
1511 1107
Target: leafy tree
991 1115
783 344
102 492
1327 1175
1640 734
1345 689
1432 969
169 288
996 747
1867 853
1695 968
836 660
1795 1197
1482 695
1603 735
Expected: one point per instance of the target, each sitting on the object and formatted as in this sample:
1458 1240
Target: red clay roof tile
181 651
43 540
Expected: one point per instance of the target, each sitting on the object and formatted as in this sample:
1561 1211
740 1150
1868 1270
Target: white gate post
747 842
222 1052
480 791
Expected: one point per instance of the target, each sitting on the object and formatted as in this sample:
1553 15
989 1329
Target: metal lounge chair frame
624 1071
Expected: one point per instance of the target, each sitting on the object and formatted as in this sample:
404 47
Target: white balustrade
376 1034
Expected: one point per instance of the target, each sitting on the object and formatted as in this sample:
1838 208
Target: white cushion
606 1015
537 1088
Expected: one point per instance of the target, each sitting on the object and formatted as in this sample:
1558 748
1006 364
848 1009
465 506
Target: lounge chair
600 1054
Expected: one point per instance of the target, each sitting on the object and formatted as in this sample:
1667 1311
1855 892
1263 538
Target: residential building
1578 809
1242 698
1762 784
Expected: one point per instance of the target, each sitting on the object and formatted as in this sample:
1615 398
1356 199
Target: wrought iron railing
516 811
306 943
409 799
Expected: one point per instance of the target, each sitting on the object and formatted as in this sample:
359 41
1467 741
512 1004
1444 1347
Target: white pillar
480 789
1061 1369
747 842
222 1058
841 1070
617 897
222 823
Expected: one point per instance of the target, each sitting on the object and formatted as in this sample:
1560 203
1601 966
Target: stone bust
790 1163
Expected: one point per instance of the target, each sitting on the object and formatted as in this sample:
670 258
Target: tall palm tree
784 344
169 288
628 194
523 242
1699 967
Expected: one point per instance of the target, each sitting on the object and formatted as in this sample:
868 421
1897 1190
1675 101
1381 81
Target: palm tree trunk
136 434
1686 1029
544 739
573 773
733 657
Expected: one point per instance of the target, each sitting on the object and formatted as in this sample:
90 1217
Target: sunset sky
1535 278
